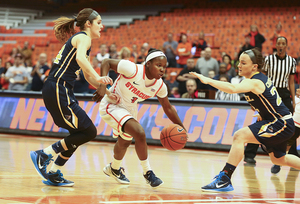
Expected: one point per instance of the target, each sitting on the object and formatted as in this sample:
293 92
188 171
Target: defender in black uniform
275 125
59 98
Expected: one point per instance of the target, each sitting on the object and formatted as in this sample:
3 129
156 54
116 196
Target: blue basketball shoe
152 179
41 160
57 179
118 175
221 183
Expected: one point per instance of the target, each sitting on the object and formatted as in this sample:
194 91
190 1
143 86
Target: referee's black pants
251 149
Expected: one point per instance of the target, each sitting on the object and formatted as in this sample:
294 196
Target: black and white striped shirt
279 70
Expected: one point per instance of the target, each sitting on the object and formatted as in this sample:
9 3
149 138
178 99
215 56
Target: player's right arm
83 43
247 85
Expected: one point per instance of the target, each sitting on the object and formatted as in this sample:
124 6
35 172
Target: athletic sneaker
152 179
221 183
118 175
275 169
41 160
57 179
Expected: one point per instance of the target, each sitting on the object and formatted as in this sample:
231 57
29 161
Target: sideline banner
206 122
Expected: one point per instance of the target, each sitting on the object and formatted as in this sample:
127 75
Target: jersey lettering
58 56
274 92
136 91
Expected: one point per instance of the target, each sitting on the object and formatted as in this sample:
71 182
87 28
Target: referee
280 68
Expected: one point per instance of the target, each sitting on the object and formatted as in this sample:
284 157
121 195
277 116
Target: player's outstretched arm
247 85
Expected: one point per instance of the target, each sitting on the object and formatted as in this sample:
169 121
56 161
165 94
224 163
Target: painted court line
204 200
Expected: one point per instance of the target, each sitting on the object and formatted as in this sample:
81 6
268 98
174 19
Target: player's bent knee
91 132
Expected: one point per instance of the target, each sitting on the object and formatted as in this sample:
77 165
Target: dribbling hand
105 80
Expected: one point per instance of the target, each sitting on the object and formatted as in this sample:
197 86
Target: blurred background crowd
207 39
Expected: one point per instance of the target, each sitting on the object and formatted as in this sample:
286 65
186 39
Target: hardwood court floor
183 173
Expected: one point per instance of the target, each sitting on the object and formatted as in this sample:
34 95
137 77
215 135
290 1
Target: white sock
116 164
49 150
146 166
55 167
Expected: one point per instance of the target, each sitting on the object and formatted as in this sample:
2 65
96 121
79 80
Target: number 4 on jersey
58 56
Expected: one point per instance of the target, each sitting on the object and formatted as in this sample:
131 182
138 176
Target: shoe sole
217 190
155 186
33 158
49 183
108 173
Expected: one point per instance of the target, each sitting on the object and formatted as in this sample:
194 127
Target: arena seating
225 29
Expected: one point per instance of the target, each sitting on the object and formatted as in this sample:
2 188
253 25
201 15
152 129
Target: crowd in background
21 74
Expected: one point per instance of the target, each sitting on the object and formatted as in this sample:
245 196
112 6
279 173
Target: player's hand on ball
202 78
105 80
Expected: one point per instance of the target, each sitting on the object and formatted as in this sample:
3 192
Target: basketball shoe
152 179
118 175
275 169
221 183
57 179
41 160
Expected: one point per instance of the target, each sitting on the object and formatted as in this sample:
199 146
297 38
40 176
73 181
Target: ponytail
64 26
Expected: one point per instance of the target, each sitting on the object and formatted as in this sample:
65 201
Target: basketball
173 137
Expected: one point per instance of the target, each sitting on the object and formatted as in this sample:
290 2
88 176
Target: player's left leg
134 128
114 168
222 182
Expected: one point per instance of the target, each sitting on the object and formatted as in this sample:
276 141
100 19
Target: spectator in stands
245 46
256 39
200 45
80 84
222 71
183 52
27 53
3 82
230 70
202 53
277 33
184 76
169 48
134 53
175 93
113 53
146 46
96 67
191 87
103 54
221 95
13 54
207 63
141 58
182 32
126 54
38 73
17 75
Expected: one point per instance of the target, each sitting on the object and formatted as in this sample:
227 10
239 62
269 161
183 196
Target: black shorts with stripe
60 101
274 135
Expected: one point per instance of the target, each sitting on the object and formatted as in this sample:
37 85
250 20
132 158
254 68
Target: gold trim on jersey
74 117
64 61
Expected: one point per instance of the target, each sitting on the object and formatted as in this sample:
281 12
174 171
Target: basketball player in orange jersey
135 83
